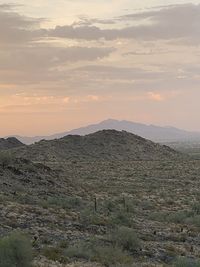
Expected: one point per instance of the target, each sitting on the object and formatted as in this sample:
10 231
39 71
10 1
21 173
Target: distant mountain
151 132
10 142
102 145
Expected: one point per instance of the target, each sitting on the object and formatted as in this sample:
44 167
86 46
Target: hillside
151 132
102 145
22 176
80 192
10 142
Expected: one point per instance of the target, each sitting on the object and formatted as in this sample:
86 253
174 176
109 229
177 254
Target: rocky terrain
10 142
107 199
102 145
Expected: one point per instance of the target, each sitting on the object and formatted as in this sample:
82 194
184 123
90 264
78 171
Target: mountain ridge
151 132
101 145
9 143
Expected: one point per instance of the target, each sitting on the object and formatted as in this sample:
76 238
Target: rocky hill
102 145
10 142
80 212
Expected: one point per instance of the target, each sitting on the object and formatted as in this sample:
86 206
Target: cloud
155 96
167 23
47 56
15 28
27 56
38 62
121 73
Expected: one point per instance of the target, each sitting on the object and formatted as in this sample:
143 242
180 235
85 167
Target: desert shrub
62 202
174 217
186 262
5 159
90 217
25 199
125 238
106 255
196 208
158 216
178 217
195 220
15 251
54 254
81 250
109 206
147 205
122 217
63 244
110 256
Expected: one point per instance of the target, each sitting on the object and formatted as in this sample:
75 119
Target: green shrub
196 208
62 202
173 217
195 220
126 238
178 217
5 159
122 218
158 216
110 206
186 262
90 217
110 256
81 250
54 254
15 251
106 255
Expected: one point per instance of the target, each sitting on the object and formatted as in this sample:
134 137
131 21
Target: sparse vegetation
100 212
107 255
5 159
126 238
15 251
186 262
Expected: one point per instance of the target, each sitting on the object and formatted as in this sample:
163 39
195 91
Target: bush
186 262
178 217
195 220
110 256
173 217
62 202
196 208
5 159
15 251
106 255
122 218
81 250
90 217
54 254
126 238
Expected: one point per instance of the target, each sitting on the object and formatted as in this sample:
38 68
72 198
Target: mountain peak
151 132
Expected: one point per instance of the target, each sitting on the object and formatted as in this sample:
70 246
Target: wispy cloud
166 23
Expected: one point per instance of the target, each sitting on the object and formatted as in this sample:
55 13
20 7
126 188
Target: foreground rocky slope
106 212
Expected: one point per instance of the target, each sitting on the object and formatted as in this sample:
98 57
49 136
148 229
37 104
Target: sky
69 63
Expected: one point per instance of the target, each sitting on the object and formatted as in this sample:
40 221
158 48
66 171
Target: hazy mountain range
151 132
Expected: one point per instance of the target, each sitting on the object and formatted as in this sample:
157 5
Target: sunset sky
69 63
